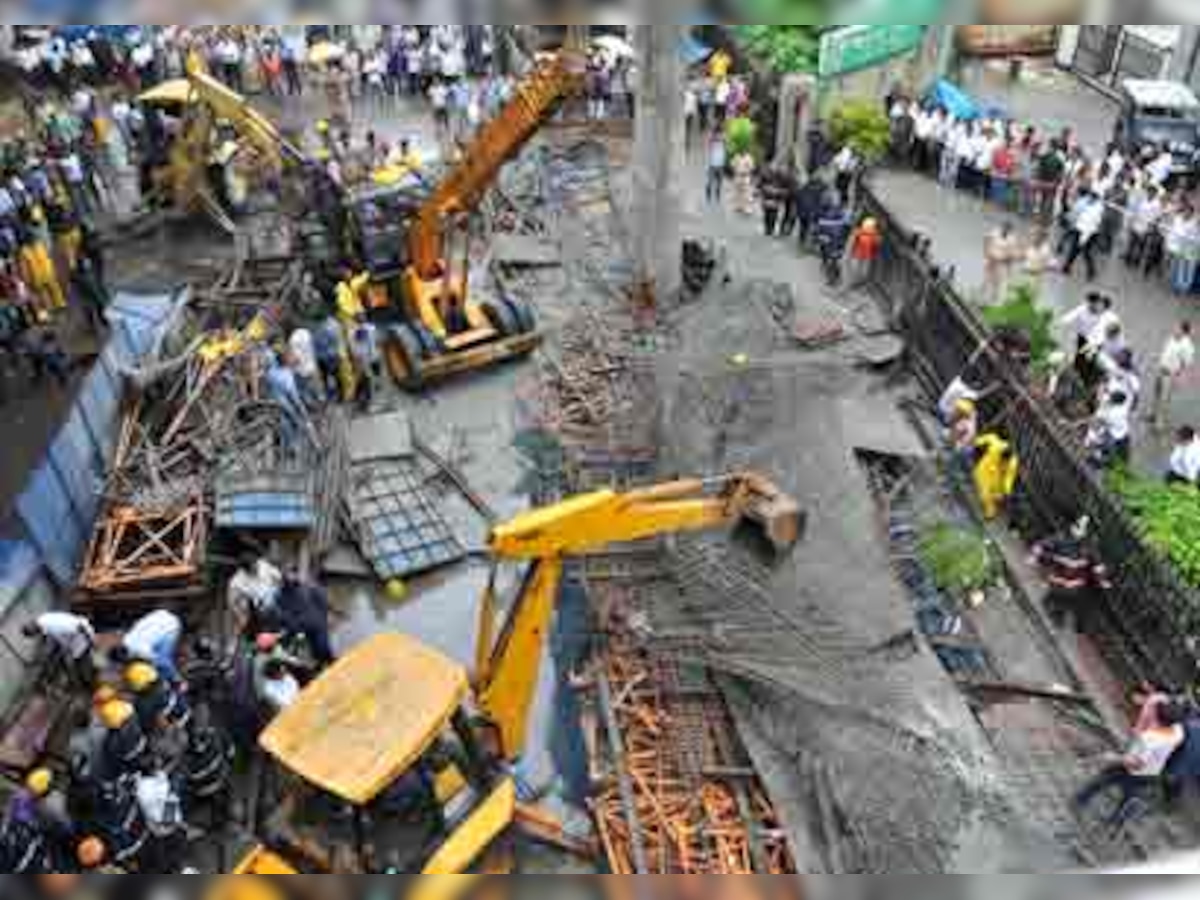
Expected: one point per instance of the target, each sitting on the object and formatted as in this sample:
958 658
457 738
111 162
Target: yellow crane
397 760
406 234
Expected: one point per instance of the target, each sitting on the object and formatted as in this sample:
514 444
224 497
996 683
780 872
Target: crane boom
507 668
497 142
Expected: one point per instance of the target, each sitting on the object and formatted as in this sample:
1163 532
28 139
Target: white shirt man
155 639
303 352
1179 353
1092 322
1161 168
439 96
924 126
1112 422
254 590
1089 217
73 635
1147 212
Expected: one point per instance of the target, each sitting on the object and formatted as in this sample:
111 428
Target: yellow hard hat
140 676
104 695
39 781
871 224
964 407
91 852
115 714
322 126
397 590
323 155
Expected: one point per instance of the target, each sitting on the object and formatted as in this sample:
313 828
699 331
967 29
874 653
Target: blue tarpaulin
962 105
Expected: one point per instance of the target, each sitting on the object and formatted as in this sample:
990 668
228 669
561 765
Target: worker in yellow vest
37 269
349 296
996 473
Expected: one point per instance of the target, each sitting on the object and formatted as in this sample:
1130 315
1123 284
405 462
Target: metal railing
1150 616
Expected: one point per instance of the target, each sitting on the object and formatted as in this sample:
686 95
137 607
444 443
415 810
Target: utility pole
659 155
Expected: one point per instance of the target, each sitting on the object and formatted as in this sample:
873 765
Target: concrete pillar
1185 61
658 161
798 107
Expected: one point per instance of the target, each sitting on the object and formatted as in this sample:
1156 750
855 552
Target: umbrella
325 52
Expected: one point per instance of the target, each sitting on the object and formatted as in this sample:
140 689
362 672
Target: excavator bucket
771 515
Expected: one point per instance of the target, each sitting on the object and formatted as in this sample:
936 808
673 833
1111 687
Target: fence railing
1152 613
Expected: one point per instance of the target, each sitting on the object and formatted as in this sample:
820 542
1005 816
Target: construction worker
50 805
349 296
124 743
159 706
208 766
24 849
996 473
92 857
161 805
72 637
304 608
37 269
275 685
154 638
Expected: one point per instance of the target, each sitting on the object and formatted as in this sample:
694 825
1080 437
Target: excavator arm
508 667
497 142
208 103
223 104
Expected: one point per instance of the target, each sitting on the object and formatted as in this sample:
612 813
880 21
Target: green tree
784 48
863 125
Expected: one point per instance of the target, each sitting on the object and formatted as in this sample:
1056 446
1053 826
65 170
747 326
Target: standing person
846 166
1000 253
73 637
1147 209
691 116
1086 220
1175 363
364 346
1109 437
439 99
291 55
1038 256
271 62
718 163
1183 249
774 198
743 182
37 270
302 349
866 244
283 387
88 288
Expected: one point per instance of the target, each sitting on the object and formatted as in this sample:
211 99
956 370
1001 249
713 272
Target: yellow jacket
349 297
995 474
36 265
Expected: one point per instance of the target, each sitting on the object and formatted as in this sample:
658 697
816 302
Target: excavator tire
405 357
503 317
524 315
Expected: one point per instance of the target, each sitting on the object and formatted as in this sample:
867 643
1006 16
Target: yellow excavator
412 239
195 109
396 760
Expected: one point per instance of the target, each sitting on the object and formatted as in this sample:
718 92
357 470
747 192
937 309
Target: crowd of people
157 722
57 179
1131 202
